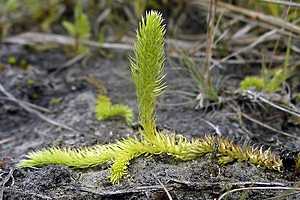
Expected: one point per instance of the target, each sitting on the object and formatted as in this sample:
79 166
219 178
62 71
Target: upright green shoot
147 70
80 29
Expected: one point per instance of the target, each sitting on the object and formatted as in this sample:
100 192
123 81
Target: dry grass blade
256 188
263 125
6 140
251 46
37 113
31 38
285 3
260 97
165 189
284 195
135 190
222 184
253 15
210 36
207 86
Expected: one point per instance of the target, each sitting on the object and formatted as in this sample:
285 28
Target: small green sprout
105 110
80 29
30 82
270 80
55 101
21 63
252 82
12 60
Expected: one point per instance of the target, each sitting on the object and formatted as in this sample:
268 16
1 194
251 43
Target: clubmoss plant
148 76
147 70
106 110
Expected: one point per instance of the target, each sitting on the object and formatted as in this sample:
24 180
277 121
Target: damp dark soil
67 95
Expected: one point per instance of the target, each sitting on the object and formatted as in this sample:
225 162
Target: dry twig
220 185
257 188
251 46
285 3
37 113
6 140
165 189
265 100
253 15
31 38
6 179
139 189
262 124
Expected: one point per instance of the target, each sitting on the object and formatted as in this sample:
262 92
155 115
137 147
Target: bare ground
71 100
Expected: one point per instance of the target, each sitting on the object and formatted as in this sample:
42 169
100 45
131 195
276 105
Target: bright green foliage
105 110
162 143
80 29
122 152
81 26
147 69
278 78
229 152
147 72
270 81
252 82
76 158
129 149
